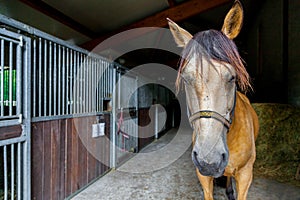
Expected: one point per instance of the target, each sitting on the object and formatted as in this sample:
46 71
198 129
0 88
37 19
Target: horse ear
233 21
181 36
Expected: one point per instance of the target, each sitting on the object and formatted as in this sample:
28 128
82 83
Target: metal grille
67 81
13 176
14 92
10 59
129 143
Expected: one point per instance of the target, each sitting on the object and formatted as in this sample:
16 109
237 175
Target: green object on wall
8 83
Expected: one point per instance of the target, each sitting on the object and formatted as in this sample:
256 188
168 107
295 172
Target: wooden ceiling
178 11
88 23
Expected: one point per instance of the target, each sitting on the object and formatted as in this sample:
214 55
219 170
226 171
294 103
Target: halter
214 115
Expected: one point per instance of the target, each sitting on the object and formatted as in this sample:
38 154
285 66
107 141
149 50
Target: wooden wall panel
74 159
8 132
46 164
82 154
62 151
68 157
55 158
91 160
146 136
61 164
37 144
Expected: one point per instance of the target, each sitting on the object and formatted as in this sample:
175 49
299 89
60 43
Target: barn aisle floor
176 181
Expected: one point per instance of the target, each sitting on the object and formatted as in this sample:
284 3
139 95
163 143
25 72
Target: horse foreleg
243 181
229 188
207 185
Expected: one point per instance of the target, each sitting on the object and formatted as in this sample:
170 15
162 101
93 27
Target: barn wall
264 55
146 135
61 164
149 95
293 50
272 51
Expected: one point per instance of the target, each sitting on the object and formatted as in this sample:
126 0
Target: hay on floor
278 143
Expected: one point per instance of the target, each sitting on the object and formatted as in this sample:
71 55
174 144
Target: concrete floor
166 177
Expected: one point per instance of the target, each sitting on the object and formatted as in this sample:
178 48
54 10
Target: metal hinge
21 41
20 118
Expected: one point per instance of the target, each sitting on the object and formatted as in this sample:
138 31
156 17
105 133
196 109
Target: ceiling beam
177 13
171 3
59 16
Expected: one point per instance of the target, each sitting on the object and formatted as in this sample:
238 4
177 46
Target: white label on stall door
95 130
101 129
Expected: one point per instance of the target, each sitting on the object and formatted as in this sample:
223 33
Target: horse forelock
214 45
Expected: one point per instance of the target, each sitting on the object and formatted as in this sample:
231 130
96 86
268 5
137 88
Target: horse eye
232 79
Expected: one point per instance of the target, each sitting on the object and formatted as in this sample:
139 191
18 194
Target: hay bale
278 143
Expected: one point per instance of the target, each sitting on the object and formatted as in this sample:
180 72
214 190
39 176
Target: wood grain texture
176 13
61 163
8 132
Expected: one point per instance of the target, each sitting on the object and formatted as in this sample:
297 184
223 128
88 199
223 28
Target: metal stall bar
103 88
59 83
26 123
55 83
5 172
105 79
68 80
97 82
90 85
100 85
64 78
40 82
86 85
71 87
45 78
83 82
19 80
93 84
50 79
12 167
90 78
81 85
19 186
75 84
101 75
2 77
10 84
34 76
113 125
79 79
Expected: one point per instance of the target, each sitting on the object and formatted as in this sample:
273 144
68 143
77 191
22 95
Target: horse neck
239 113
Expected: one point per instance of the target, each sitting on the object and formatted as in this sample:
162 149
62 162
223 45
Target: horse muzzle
214 169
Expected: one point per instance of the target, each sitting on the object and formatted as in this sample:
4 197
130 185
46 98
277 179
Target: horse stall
64 121
141 114
51 96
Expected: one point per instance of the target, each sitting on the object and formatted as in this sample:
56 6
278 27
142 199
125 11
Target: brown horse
224 123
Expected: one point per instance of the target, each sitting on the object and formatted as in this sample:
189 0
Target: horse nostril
195 153
224 157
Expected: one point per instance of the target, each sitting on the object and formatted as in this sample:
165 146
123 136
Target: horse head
211 70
